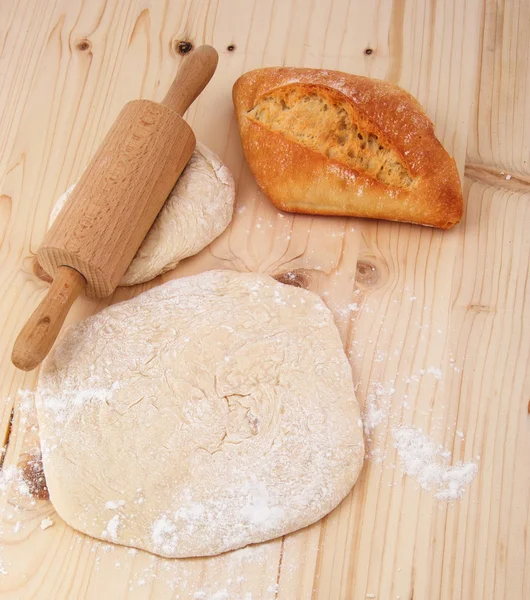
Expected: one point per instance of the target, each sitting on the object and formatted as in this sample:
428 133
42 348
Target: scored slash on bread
325 142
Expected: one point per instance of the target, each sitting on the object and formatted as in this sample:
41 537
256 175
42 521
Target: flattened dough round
198 209
206 414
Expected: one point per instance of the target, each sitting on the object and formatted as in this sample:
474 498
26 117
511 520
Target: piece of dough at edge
198 209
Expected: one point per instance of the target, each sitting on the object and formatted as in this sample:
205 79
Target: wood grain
408 300
500 127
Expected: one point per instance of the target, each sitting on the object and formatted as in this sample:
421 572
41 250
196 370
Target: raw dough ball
206 414
198 209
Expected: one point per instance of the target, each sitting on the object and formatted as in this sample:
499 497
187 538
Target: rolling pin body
119 195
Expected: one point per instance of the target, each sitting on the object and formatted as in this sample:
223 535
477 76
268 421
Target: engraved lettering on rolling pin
93 240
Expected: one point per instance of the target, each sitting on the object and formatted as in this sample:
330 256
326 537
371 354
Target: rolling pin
97 233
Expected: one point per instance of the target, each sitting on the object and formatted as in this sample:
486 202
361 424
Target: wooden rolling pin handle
42 328
192 77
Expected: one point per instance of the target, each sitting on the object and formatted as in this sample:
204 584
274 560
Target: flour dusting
391 401
114 504
46 523
257 510
111 530
429 464
61 403
163 534
14 476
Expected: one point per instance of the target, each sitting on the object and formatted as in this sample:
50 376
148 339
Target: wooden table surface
437 324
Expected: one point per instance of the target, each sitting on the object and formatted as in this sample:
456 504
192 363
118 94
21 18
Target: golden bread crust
300 156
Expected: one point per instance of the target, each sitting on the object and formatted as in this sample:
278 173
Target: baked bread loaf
329 143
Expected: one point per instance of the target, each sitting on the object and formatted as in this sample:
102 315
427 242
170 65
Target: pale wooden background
67 67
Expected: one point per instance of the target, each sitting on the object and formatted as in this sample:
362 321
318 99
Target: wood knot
84 45
368 51
33 475
481 308
297 278
183 47
231 48
367 274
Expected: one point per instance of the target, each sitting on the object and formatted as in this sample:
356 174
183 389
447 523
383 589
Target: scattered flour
114 504
111 530
26 404
220 595
164 534
13 476
257 509
59 403
46 523
377 406
430 465
436 371
385 408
